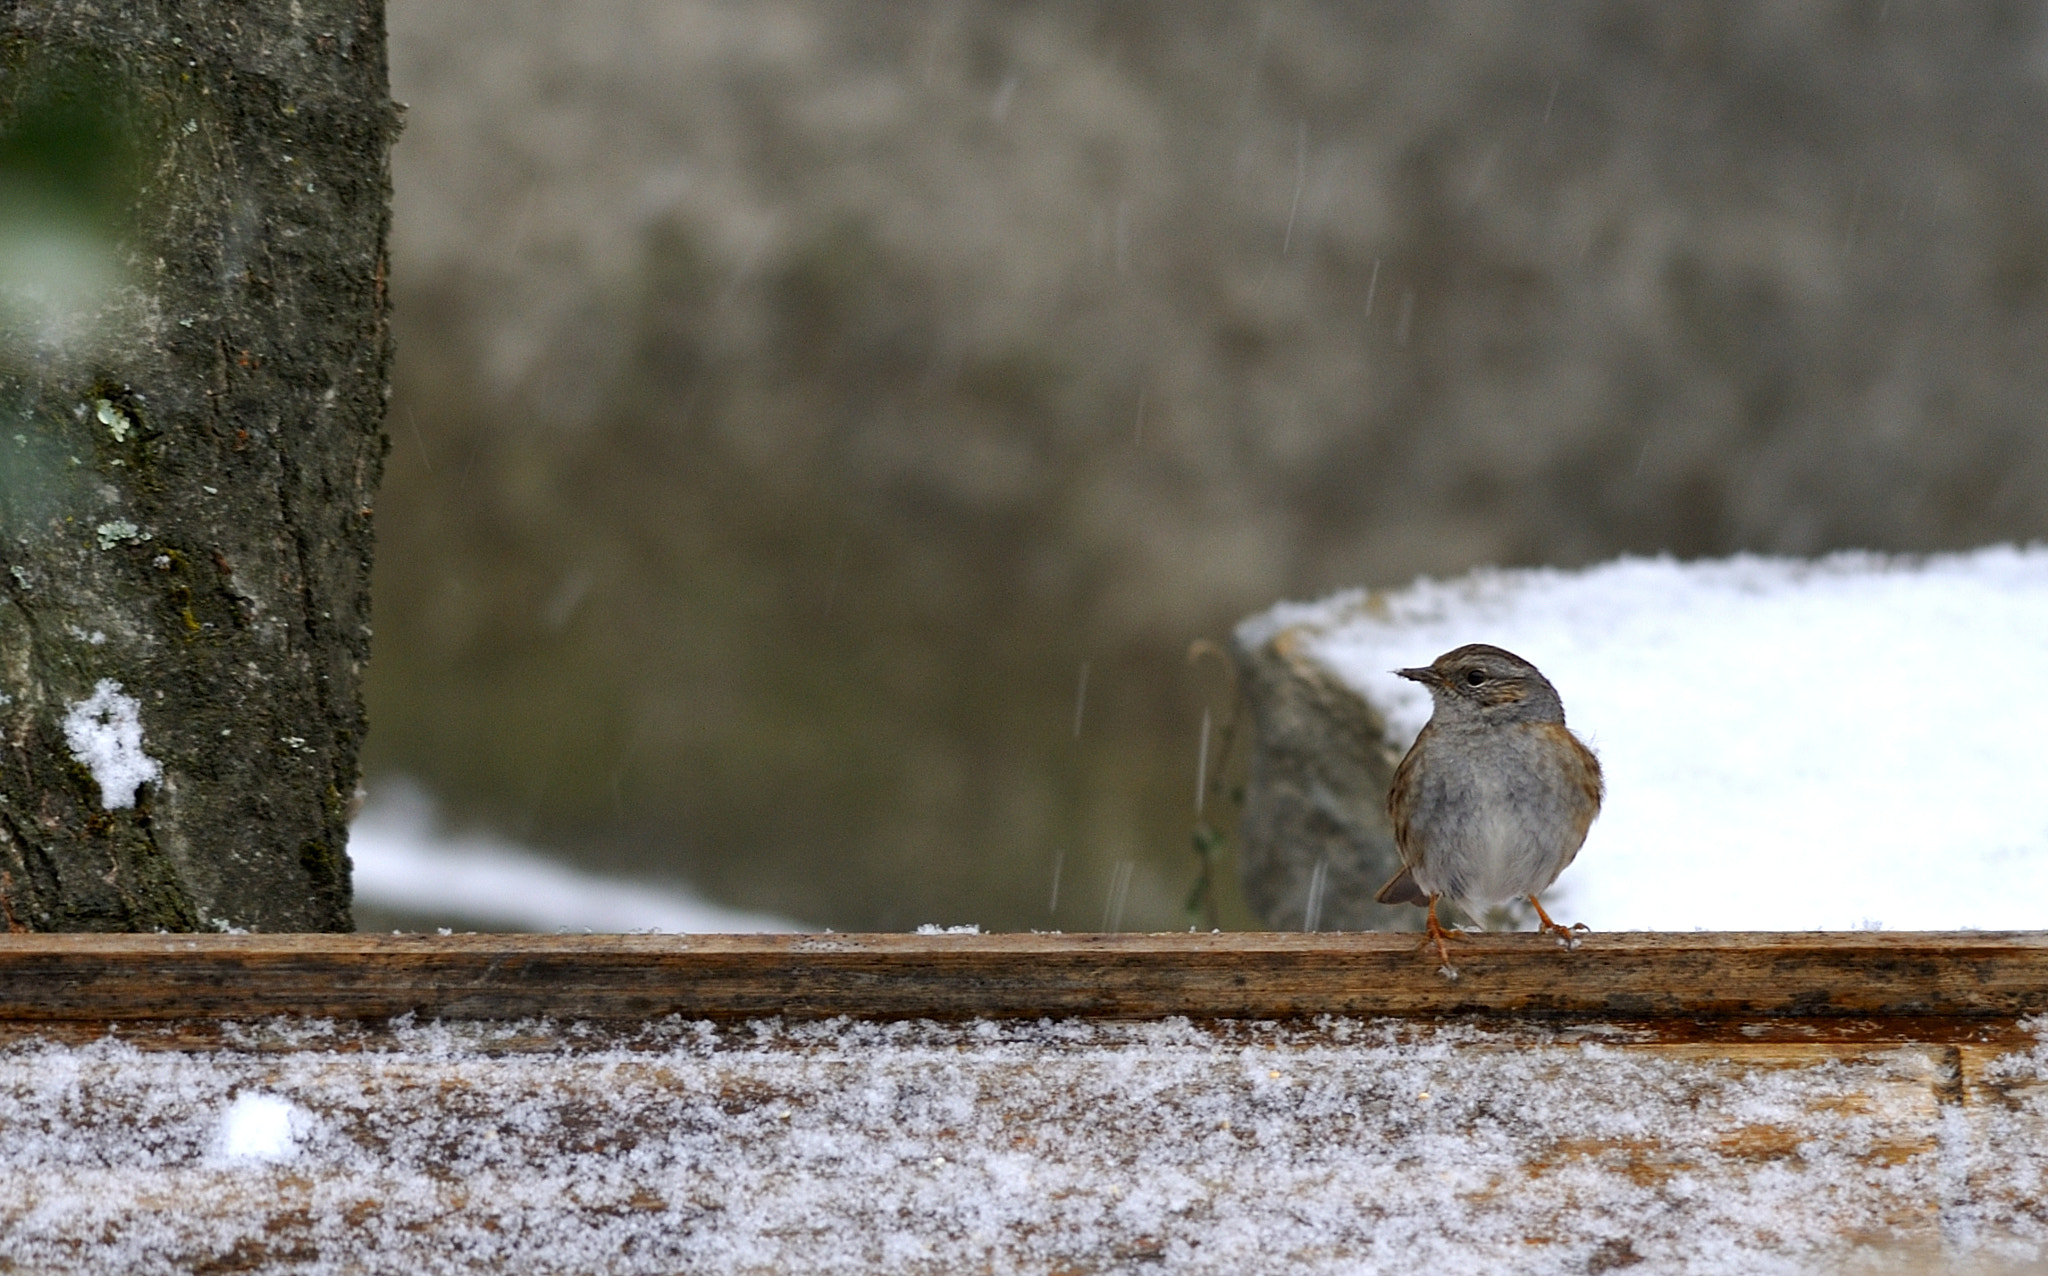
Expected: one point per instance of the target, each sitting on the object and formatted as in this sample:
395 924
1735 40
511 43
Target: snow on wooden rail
1040 1103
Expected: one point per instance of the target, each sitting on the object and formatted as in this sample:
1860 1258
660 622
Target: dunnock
1495 797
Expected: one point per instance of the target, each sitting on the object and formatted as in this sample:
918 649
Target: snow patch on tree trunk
105 734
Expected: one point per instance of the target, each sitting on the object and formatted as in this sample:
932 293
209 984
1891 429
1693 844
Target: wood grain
1024 1147
1675 1094
1700 976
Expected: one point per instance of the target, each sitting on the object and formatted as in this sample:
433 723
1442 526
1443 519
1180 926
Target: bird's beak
1425 675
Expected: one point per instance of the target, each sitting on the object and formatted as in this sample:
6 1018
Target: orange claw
1563 933
1438 935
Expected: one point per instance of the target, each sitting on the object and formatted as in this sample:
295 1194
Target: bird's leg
1566 935
1438 935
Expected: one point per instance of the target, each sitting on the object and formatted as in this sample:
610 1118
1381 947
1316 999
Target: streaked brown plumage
1495 797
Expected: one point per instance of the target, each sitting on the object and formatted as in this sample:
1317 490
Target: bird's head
1478 682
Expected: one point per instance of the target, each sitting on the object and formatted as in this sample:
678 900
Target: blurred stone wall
794 398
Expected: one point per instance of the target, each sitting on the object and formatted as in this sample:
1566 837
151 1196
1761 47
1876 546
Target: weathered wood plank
1821 976
1785 1102
1094 1147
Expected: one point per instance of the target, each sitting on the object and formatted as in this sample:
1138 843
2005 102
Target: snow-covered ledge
1851 742
1200 1103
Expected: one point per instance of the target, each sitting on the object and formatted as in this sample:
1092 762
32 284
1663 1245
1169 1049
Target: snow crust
1344 1146
105 734
1854 741
260 1127
405 860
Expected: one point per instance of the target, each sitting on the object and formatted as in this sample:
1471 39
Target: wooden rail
1784 1102
73 977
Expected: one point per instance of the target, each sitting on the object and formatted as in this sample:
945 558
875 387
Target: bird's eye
1474 678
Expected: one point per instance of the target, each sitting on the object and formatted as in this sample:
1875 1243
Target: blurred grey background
808 413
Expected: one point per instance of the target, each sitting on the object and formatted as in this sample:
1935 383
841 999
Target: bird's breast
1498 813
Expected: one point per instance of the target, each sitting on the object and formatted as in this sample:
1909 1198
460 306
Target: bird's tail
1402 890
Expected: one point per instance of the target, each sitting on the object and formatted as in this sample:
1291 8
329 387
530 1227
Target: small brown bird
1495 797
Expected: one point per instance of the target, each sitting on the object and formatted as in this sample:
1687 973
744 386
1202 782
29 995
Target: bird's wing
1400 809
1583 768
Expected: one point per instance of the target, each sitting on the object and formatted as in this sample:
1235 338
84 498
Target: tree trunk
194 355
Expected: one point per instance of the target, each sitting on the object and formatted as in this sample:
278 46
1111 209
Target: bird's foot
1438 935
1567 936
1443 953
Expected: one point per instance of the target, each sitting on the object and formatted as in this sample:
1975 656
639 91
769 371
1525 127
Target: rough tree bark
194 360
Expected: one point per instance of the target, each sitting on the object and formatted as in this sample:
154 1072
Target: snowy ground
1341 1147
408 863
1789 745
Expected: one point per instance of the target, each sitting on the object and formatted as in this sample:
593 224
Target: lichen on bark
194 361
